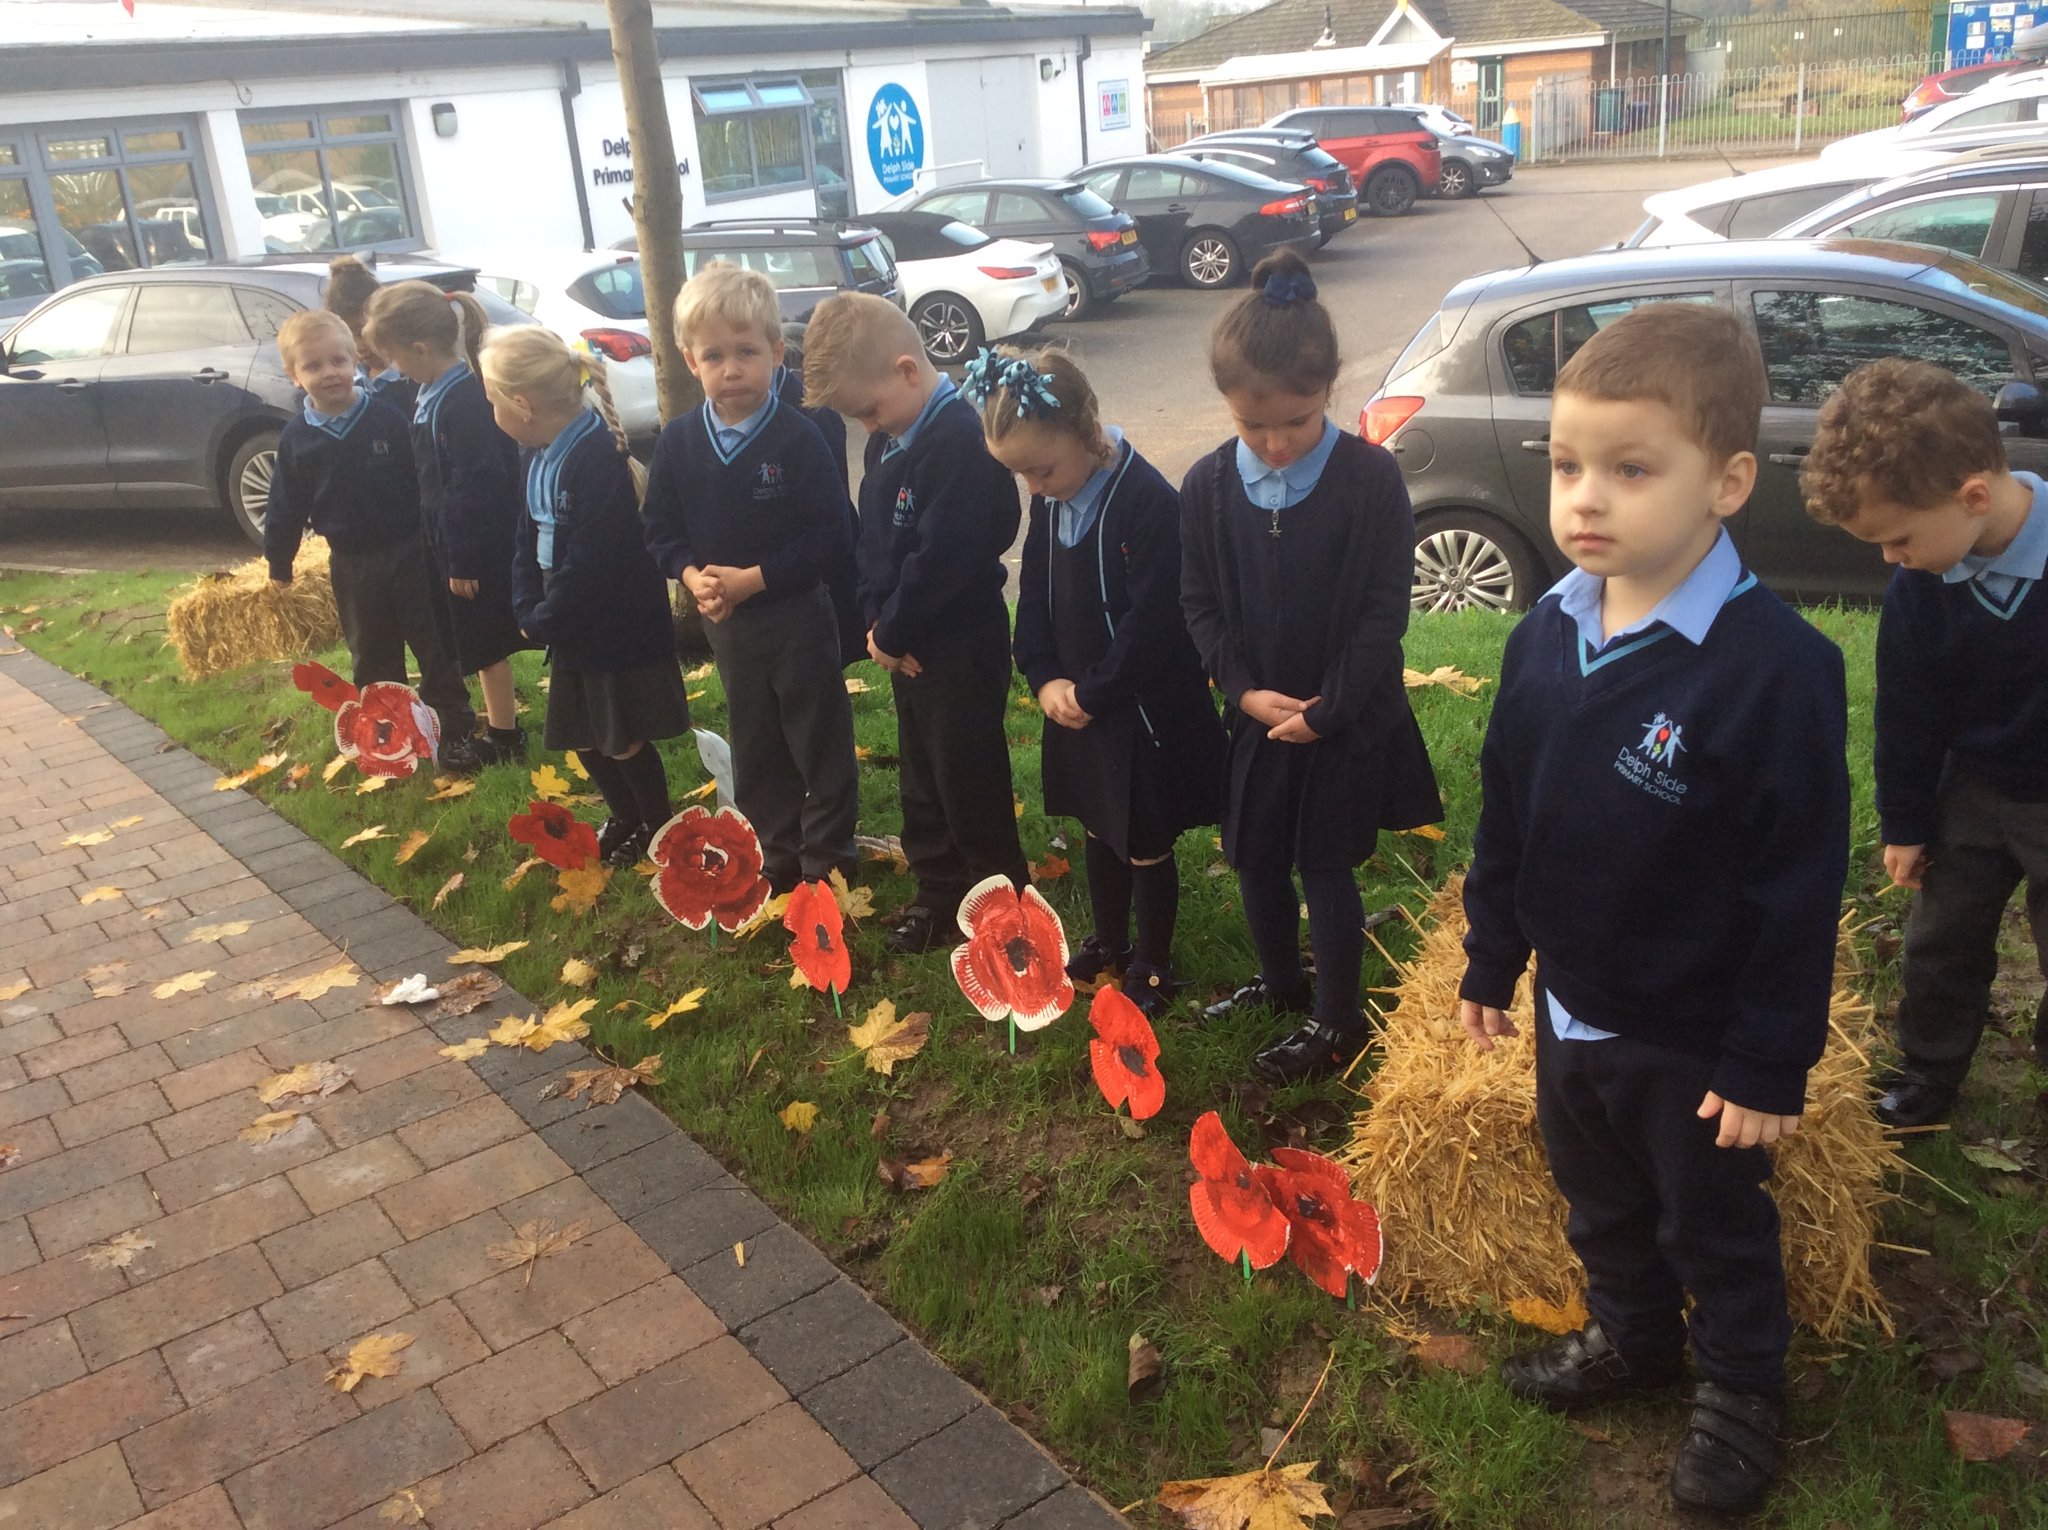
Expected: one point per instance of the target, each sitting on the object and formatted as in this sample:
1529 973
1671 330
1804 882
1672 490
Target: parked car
1996 211
1393 158
1444 119
1100 255
1211 223
1757 203
1286 155
163 388
1465 409
1950 84
964 288
2015 98
595 298
1470 163
808 259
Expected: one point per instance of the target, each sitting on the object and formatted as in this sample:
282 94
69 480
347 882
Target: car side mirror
2021 409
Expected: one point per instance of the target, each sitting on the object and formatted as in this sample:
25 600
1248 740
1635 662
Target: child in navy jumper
1298 551
350 286
344 468
1131 745
937 513
583 584
842 580
470 495
1962 694
1665 824
747 512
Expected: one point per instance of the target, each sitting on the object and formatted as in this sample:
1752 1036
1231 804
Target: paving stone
543 1101
351 1467
115 1073
50 1290
205 1126
522 1483
859 1505
348 1303
1073 1507
334 1241
238 1032
767 1467
233 1164
353 1173
657 1416
207 1509
112 1112
94 1216
456 1133
352 1118
471 1185
334 1039
443 1343
36 1361
820 1336
505 1069
217 1360
21 1037
886 1404
653 1499
90 1493
607 1264
210 1080
133 1321
81 1415
29 1102
516 1389
604 1132
653 1175
642 1329
450 1260
215 1226
564 1202
394 1057
72 1052
1009 1474
31 1186
781 1267
713 1216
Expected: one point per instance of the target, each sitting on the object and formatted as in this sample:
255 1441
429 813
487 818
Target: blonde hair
724 293
852 339
537 364
419 313
1079 413
306 326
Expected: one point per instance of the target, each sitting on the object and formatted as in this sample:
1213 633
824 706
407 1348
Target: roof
1292 26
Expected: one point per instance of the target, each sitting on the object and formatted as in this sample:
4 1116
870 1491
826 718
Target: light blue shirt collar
1075 518
932 405
544 482
1272 488
730 438
2022 561
338 425
432 394
1688 610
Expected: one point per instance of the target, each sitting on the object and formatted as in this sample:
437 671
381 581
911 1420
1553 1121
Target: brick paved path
643 1379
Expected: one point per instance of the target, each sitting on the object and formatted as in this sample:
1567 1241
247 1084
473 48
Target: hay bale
1449 1152
234 617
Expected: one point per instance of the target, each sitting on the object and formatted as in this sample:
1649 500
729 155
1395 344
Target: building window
330 180
122 196
753 136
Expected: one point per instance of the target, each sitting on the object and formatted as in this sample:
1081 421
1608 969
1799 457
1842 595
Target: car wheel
1467 562
1080 301
1391 191
1457 180
1209 260
950 327
245 486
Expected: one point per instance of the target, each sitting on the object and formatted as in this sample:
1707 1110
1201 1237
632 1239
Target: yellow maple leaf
126 823
605 1085
1262 1500
575 766
262 767
770 914
448 887
184 982
447 790
90 837
117 1253
549 784
207 932
532 1242
463 1051
485 955
562 1022
1448 676
855 903
378 1355
579 889
886 1041
519 872
334 767
799 1116
513 1031
692 1000
364 836
578 973
343 974
312 1080
297 774
271 1124
411 845
99 895
1548 1316
14 991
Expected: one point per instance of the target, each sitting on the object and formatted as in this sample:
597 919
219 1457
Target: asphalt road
1147 353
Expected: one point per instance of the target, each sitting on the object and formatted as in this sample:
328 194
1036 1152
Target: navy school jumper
358 491
473 501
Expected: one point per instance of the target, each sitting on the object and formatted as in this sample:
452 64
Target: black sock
611 785
1336 929
1109 892
1156 897
1273 916
503 735
644 774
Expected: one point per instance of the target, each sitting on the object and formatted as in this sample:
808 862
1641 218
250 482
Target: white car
2017 98
1451 124
965 289
1758 204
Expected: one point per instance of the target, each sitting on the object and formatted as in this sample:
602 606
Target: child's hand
463 589
1482 1022
280 584
736 586
905 665
1743 1127
1906 865
1294 729
1056 700
1270 707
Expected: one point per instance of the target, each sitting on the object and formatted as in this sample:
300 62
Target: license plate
1350 213
1130 236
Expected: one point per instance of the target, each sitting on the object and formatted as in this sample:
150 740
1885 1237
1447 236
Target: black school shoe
1910 1100
916 932
1313 1051
1733 1451
502 746
459 756
623 844
1583 1368
1095 956
1148 987
1256 995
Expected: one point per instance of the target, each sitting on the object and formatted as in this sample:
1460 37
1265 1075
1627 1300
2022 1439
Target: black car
1210 222
1470 163
1466 407
163 388
1286 156
808 259
1994 207
1097 244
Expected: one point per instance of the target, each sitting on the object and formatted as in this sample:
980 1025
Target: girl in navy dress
470 497
1298 549
1131 746
584 584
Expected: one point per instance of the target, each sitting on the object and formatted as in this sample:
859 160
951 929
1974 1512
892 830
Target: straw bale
234 617
1448 1150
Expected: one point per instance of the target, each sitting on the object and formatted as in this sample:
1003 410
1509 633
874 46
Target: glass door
828 145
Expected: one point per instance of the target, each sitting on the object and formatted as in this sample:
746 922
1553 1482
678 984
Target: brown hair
419 313
1278 337
853 338
724 293
304 326
350 286
1696 359
1904 432
1079 413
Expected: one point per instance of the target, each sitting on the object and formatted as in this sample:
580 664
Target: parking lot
1147 352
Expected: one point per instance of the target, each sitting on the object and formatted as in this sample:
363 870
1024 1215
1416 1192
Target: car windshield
1086 203
2000 289
787 268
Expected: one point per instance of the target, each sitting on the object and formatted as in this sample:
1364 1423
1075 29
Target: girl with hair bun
350 286
1299 545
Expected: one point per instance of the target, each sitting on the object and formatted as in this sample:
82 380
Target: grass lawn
1056 1236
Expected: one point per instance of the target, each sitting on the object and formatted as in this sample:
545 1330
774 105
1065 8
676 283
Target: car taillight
1378 421
1286 207
1105 238
1007 273
1318 183
618 344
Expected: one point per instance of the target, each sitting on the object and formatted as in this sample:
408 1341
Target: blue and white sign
895 138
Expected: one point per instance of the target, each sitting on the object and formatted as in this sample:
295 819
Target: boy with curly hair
1962 694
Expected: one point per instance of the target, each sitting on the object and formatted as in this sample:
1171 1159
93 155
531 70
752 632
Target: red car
1949 84
1392 158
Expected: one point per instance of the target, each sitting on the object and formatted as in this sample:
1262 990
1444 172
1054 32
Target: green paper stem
1245 1257
1350 1293
836 1012
1013 1035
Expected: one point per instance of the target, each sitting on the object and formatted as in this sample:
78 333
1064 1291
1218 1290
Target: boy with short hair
937 513
1665 824
344 467
746 510
1962 694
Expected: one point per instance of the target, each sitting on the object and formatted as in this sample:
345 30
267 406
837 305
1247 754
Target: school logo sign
895 138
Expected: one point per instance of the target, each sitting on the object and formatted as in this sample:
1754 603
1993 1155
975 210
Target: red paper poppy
1235 1214
322 684
1015 959
709 867
556 835
1125 1054
1330 1234
818 943
387 730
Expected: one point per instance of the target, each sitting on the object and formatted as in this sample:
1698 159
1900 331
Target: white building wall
503 178
1117 68
865 75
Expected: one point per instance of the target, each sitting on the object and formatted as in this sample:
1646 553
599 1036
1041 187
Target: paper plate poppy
387 730
818 937
1125 1054
708 866
322 684
555 835
1330 1235
1235 1214
1015 961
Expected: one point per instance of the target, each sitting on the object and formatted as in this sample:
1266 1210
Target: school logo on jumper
1662 740
379 447
906 507
561 502
1650 764
770 481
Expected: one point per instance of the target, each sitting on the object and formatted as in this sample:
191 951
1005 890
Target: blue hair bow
1283 288
989 373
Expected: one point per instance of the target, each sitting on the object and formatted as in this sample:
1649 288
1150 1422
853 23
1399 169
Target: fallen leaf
1425 831
1133 1131
412 845
1016 806
699 793
512 1031
485 955
879 1127
703 671
563 1022
334 767
519 872
375 1356
297 774
799 1116
14 991
449 887
119 1252
343 974
921 1175
1982 1436
1445 675
271 1124
862 752
184 982
855 686
1995 1154
1280 1499
262 767
371 784
126 823
1051 869
694 999
207 932
532 1242
311 1080
99 895
549 784
1548 1316
575 764
461 995
855 903
578 973
10 1155
885 1041
579 889
1048 1296
410 1506
364 836
89 837
463 1051
1450 1352
451 790
605 1085
1145 1376
739 1254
